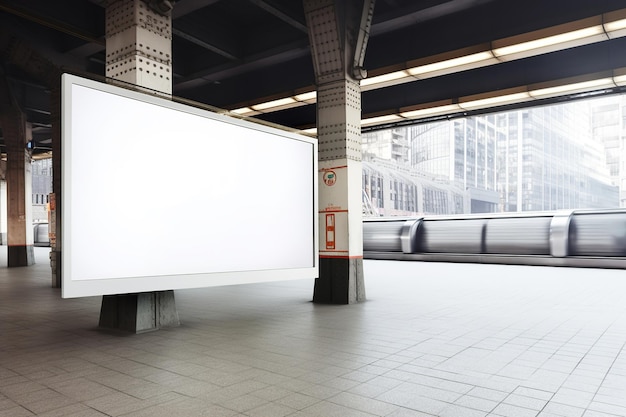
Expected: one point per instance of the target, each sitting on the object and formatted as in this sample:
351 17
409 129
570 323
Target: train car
582 238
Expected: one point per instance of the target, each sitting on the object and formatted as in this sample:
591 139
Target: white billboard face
159 195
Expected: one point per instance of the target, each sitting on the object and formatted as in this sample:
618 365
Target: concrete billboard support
139 313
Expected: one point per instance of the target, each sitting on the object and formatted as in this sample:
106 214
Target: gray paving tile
297 401
368 405
508 410
410 400
329 409
20 388
488 394
564 410
534 393
476 403
271 409
593 413
118 404
617 410
76 410
272 393
243 403
525 402
458 411
16 412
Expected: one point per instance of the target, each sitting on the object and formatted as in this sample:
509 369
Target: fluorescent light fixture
615 23
568 35
571 88
615 26
450 63
309 97
244 111
384 80
429 109
455 61
275 104
549 41
495 98
380 119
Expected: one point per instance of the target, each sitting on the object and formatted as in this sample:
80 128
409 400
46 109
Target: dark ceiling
230 53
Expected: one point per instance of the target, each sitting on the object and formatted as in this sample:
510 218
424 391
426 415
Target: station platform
452 340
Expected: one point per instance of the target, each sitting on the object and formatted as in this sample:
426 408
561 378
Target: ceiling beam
410 16
203 44
279 14
183 8
46 21
274 57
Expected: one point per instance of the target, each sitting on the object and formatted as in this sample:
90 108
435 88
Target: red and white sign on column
334 202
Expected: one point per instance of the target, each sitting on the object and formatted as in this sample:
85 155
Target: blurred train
580 238
40 234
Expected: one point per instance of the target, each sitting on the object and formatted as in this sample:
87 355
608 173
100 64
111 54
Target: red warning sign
330 231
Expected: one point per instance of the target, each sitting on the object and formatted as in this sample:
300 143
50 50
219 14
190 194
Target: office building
564 156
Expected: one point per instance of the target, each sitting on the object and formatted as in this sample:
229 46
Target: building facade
547 159
42 187
608 123
390 189
565 156
462 151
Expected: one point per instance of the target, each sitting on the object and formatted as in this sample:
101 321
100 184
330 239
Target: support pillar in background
338 33
20 240
56 209
20 54
139 52
3 206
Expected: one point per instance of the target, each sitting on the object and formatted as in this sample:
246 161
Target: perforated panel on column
339 121
139 45
325 41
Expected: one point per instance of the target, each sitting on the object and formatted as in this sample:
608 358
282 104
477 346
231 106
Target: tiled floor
432 340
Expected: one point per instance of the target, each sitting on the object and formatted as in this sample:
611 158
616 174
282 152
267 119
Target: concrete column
338 33
18 53
17 133
56 225
139 52
139 43
3 207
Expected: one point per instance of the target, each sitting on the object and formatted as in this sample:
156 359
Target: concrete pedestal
21 255
139 313
340 282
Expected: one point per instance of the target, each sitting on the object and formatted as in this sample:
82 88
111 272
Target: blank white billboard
158 195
